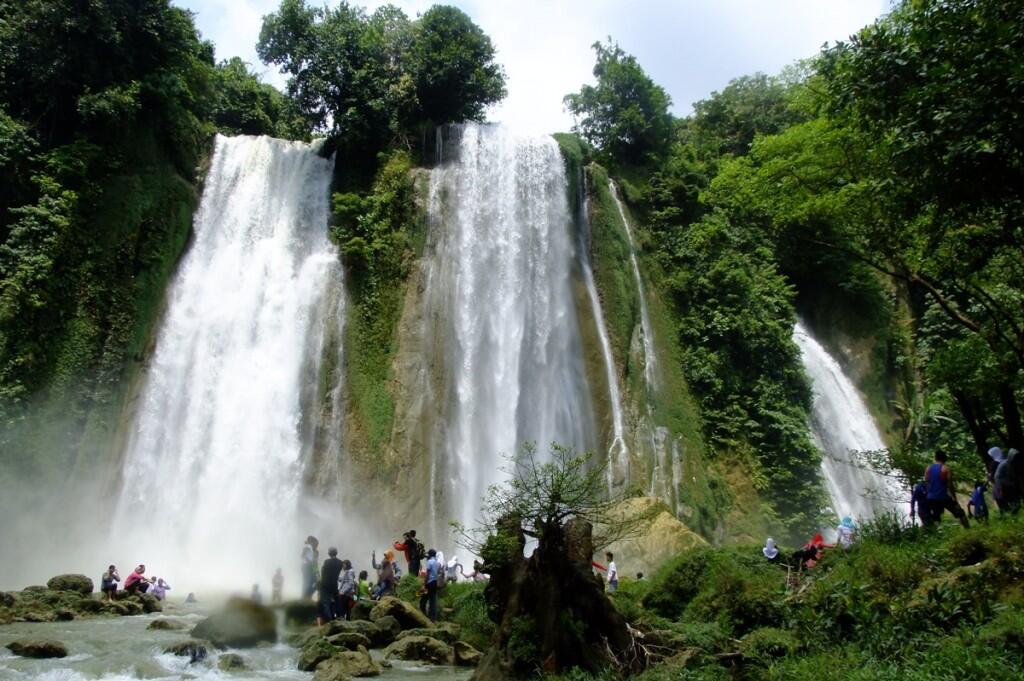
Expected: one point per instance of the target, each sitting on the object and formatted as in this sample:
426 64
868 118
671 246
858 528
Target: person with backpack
414 551
431 579
938 481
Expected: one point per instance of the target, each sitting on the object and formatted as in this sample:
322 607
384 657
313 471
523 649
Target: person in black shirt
329 599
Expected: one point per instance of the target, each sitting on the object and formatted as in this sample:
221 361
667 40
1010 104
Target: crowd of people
931 497
337 585
137 582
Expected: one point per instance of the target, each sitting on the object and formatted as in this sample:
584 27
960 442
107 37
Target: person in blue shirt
428 597
938 481
919 503
977 507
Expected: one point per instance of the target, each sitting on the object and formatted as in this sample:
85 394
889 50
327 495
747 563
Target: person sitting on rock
136 582
160 588
191 598
108 582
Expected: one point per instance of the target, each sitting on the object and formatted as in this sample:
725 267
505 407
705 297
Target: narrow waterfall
618 454
842 426
499 295
213 468
650 361
655 439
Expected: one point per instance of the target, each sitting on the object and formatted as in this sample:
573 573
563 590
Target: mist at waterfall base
842 428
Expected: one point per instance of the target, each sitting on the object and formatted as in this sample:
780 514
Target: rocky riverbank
70 597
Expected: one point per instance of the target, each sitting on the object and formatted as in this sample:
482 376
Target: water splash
213 468
842 426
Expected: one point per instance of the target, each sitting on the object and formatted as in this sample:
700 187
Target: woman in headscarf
846 532
771 552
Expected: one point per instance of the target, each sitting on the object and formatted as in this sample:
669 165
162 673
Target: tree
625 115
245 106
369 79
551 611
453 67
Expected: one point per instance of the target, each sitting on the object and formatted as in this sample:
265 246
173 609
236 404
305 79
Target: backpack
420 550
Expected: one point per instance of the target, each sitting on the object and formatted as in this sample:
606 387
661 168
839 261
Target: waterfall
499 294
842 426
618 454
650 361
213 468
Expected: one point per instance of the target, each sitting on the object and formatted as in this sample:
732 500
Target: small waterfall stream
213 468
618 453
842 426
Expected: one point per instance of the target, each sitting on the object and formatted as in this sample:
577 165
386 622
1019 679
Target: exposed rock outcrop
79 583
38 648
241 624
406 614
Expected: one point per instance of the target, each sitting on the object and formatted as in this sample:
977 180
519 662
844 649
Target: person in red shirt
136 582
414 552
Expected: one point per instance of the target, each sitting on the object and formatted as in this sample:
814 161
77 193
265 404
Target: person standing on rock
938 480
276 584
108 582
385 574
329 602
346 589
613 572
310 558
413 549
428 601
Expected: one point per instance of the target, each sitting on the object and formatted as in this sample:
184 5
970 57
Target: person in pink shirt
136 582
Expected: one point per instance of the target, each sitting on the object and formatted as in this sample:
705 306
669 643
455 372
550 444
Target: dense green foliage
626 114
902 603
372 80
107 109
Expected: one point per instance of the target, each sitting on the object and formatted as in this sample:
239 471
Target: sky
689 47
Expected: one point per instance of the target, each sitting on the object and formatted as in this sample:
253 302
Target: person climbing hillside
938 480
771 552
919 503
846 532
1007 481
414 551
977 508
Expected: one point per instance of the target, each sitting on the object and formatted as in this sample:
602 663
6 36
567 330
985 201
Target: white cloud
690 47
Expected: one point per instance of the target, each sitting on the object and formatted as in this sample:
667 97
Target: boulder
299 639
79 583
89 606
131 607
38 647
38 616
349 640
149 603
662 539
361 610
300 612
196 651
63 615
164 624
445 635
406 614
8 599
232 662
347 664
388 629
421 648
241 624
466 655
315 652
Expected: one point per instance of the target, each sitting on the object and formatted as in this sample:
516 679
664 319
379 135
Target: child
977 501
363 587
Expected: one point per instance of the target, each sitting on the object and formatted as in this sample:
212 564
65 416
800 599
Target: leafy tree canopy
625 116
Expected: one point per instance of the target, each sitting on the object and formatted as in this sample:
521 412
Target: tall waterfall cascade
842 426
499 294
213 468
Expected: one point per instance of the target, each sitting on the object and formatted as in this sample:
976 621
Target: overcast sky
689 47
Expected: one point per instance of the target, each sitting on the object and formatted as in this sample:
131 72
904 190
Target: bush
768 643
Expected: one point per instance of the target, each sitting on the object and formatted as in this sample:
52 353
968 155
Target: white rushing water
842 427
618 454
213 468
500 295
650 361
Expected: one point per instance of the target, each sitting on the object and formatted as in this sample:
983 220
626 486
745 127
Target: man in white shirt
613 572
